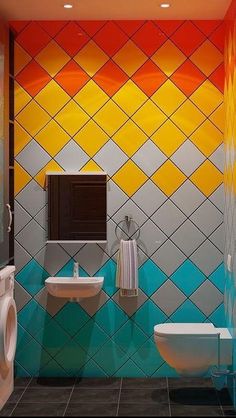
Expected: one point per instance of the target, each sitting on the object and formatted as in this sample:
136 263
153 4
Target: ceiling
111 9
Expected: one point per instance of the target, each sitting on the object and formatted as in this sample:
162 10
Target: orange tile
110 38
188 38
33 38
168 26
110 78
207 26
72 38
218 77
218 37
149 38
52 27
72 78
149 78
33 78
130 26
91 26
21 58
188 78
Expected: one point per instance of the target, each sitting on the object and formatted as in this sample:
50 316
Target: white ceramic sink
74 287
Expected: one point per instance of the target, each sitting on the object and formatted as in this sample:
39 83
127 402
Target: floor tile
147 410
39 409
7 409
80 395
99 383
52 382
16 395
229 411
139 383
189 382
144 396
195 411
22 382
224 397
194 396
47 395
91 410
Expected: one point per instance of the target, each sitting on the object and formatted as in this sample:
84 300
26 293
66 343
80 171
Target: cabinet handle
10 217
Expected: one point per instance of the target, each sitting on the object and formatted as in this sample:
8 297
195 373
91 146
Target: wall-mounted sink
74 287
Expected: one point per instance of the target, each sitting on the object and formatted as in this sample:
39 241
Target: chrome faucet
76 270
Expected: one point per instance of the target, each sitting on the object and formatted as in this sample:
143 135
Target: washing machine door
8 332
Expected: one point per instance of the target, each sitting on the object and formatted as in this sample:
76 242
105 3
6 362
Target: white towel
127 268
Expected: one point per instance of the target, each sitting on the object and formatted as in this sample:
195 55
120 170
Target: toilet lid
184 329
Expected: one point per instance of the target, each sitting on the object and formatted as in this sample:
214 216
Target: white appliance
8 333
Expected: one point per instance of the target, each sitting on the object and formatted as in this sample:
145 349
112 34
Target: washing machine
8 333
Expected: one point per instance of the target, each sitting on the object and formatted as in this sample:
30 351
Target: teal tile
71 358
20 371
110 317
150 277
148 357
91 369
72 317
130 337
68 268
33 317
165 371
130 369
23 338
218 277
52 337
188 277
148 316
108 271
110 357
32 277
91 337
188 312
218 317
33 358
52 369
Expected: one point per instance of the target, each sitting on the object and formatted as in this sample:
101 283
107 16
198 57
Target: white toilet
191 349
8 333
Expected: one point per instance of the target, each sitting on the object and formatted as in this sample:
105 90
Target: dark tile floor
117 397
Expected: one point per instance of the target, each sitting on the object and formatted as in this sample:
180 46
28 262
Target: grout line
167 384
72 390
118 405
17 403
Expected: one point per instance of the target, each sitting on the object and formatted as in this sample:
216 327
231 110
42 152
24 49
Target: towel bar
128 219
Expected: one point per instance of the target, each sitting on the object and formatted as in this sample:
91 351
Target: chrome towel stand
128 220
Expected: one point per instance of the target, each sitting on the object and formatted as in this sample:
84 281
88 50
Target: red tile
207 26
91 26
72 38
110 78
188 38
33 38
218 77
33 78
18 25
188 78
110 38
52 27
130 26
168 26
149 38
72 78
149 78
218 37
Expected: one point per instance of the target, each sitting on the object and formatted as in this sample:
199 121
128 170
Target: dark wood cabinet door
77 207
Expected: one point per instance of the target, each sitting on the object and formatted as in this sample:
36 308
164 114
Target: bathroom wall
141 100
230 179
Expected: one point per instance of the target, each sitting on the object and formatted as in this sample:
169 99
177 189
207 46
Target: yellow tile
130 138
168 138
21 138
52 58
21 98
21 178
91 58
33 118
41 176
110 117
168 58
91 166
129 98
188 117
91 98
130 58
130 178
218 117
207 58
52 138
52 98
91 138
207 97
21 58
72 118
168 97
207 138
168 178
149 117
207 178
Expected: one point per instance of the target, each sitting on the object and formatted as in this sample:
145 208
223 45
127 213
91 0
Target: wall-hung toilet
8 333
191 349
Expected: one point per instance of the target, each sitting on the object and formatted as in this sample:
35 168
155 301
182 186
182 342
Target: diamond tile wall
230 180
138 100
